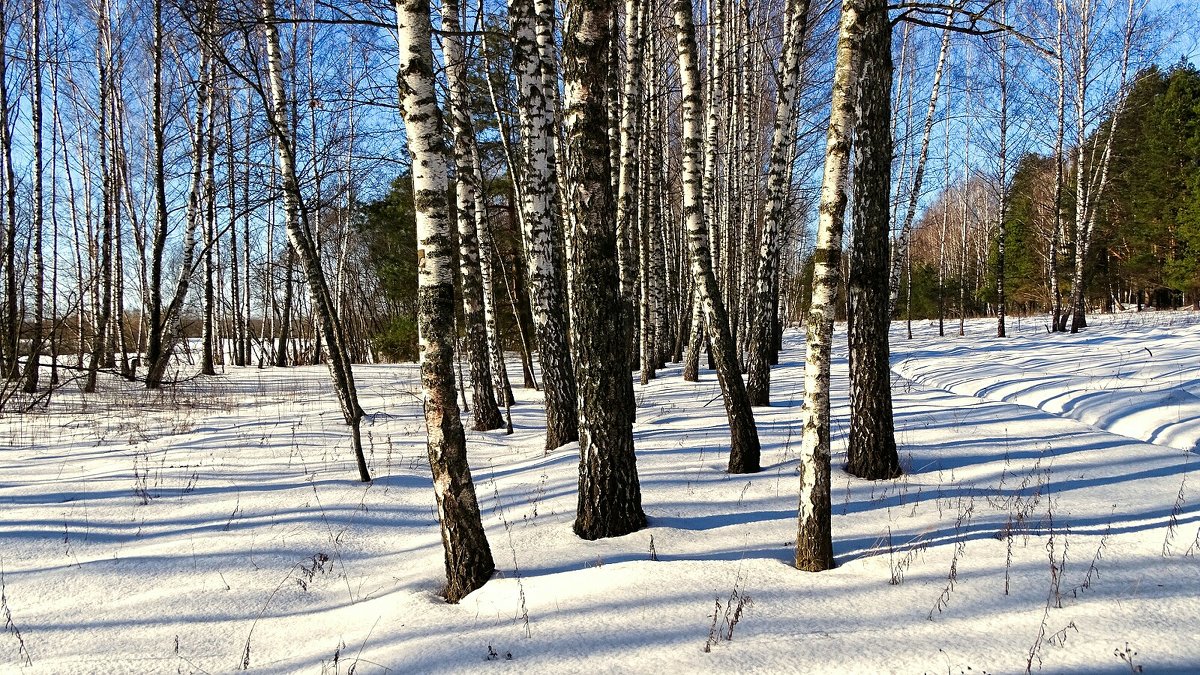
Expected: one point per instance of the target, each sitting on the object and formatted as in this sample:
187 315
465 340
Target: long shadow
251 485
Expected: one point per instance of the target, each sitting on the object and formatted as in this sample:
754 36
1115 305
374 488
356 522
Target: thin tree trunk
209 337
1089 190
154 346
901 249
8 350
298 234
104 64
1059 159
241 312
487 281
779 179
467 554
629 178
475 341
814 538
161 344
744 444
285 313
35 345
962 244
1001 224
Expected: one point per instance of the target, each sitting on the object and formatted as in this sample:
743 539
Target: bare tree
814 538
301 242
35 345
468 557
744 445
610 502
542 247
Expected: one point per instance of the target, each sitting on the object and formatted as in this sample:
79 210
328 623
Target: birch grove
637 193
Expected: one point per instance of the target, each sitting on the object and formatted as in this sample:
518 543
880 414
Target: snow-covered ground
1045 520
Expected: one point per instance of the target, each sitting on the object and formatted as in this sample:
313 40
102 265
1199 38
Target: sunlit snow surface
1048 516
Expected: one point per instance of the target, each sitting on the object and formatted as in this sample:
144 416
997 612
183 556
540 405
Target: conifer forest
545 336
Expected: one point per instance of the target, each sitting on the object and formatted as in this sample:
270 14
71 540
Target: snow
1046 518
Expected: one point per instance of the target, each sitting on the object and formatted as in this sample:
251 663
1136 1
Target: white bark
814 542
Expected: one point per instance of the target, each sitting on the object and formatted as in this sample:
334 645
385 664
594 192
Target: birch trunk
104 313
900 251
872 447
628 178
161 344
543 254
475 342
744 444
1087 197
695 339
779 178
487 281
962 239
1059 160
814 538
301 243
8 351
285 312
35 345
209 338
467 554
609 502
1001 224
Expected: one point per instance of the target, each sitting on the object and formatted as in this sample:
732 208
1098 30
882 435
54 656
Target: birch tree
814 538
468 557
609 500
779 178
744 444
8 351
1091 173
1002 158
104 66
900 250
544 258
35 106
872 441
485 412
161 343
301 242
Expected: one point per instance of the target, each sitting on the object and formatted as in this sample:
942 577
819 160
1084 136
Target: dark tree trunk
104 264
208 352
35 343
872 447
285 314
8 353
695 341
154 346
610 500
